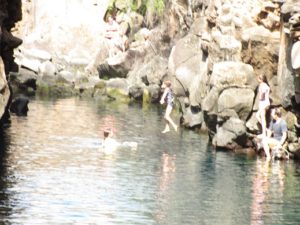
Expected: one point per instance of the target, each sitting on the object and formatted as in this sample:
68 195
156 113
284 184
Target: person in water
109 143
264 102
168 98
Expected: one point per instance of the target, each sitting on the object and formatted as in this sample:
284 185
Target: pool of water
53 171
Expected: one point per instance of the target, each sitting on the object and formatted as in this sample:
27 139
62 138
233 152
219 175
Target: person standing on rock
168 98
264 102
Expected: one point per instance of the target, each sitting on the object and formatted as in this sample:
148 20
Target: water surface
53 172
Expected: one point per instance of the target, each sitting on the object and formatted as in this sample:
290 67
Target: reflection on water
268 185
52 171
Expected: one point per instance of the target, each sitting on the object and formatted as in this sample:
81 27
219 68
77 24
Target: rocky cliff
10 13
212 51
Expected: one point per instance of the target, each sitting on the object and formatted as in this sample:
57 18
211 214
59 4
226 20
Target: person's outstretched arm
162 100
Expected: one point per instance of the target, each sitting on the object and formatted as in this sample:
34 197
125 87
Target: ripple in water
53 172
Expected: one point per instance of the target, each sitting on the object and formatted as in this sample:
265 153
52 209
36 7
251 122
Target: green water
52 171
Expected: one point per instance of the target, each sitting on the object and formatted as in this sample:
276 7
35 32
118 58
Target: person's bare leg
168 118
167 128
263 122
259 118
267 148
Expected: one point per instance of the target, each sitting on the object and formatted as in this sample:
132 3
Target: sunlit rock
261 34
47 68
296 55
228 74
238 99
192 119
5 93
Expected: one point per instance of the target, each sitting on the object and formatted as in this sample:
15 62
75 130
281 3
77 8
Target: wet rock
154 93
118 89
4 89
19 106
231 134
23 82
136 92
191 119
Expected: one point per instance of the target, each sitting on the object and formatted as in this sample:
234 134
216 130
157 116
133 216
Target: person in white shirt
264 102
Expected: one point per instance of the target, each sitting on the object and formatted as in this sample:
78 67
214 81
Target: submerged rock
19 106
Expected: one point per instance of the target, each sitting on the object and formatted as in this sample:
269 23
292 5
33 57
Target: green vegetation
154 6
140 6
117 95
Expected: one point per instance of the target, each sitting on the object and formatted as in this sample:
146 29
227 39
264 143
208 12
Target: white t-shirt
264 89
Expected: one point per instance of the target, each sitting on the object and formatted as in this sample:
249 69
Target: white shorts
263 105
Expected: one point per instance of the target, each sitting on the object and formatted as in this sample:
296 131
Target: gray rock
190 73
155 70
67 75
5 93
240 100
192 119
210 102
231 133
252 124
136 92
119 84
229 74
260 34
154 92
290 6
34 53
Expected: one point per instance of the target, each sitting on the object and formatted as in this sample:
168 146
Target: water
52 172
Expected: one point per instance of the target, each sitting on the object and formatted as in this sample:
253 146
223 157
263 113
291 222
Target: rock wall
10 13
212 51
65 32
214 67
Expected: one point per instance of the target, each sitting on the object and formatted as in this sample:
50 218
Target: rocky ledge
10 13
212 51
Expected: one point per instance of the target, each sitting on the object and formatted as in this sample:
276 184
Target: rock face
215 65
10 13
211 51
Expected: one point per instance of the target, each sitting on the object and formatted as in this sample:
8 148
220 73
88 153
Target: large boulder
190 73
231 134
5 92
23 82
233 74
192 119
238 99
290 7
19 106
